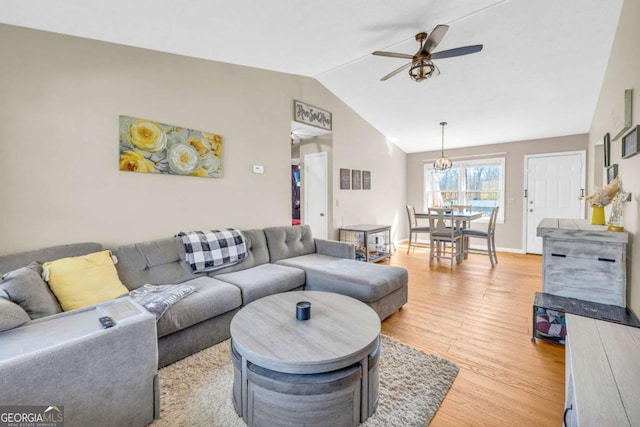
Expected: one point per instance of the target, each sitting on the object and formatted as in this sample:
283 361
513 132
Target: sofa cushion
21 259
156 299
158 262
83 281
263 280
364 281
258 253
162 261
26 288
211 298
11 315
288 241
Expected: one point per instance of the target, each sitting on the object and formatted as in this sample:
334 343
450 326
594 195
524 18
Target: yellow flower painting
151 147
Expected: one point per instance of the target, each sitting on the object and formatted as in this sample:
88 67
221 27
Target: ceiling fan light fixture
421 69
443 163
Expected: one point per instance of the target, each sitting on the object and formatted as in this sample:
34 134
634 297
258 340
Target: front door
553 185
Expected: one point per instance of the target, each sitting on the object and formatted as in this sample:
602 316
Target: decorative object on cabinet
612 173
366 180
603 196
597 215
373 242
153 147
583 261
630 143
314 116
607 150
616 222
621 120
355 180
345 179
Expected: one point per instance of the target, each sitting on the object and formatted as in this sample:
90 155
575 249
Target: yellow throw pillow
85 280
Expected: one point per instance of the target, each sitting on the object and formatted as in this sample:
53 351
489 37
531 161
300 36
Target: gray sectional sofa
280 259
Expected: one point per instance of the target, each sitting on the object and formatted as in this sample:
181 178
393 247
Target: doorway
315 178
554 182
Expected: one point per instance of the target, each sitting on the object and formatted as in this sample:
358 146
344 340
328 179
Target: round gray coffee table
287 370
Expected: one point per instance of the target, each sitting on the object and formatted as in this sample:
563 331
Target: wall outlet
258 169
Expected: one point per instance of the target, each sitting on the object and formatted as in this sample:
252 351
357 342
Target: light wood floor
480 318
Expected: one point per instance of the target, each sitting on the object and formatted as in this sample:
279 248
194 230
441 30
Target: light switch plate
258 169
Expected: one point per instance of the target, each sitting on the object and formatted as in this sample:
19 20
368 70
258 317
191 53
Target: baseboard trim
498 249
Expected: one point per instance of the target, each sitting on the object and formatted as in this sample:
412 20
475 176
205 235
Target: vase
616 222
597 215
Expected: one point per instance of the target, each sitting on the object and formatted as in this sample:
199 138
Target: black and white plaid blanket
211 250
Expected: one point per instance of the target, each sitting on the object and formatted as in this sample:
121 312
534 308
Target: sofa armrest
95 374
335 248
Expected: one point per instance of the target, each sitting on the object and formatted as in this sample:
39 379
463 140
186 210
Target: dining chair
414 228
488 234
442 234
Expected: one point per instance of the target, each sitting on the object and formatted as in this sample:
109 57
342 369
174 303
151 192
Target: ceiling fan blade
434 38
396 71
393 54
459 51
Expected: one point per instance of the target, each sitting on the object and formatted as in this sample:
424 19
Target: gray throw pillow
11 315
26 288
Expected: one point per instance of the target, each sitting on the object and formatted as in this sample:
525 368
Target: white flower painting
152 147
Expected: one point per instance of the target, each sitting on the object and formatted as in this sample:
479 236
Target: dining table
461 220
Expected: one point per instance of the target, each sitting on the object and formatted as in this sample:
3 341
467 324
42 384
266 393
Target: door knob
530 210
321 213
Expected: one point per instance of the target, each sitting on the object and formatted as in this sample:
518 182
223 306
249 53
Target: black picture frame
355 179
630 143
612 173
366 180
607 150
345 179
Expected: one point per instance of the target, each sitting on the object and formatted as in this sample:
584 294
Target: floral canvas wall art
151 147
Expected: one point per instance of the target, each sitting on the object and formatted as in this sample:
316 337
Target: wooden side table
373 242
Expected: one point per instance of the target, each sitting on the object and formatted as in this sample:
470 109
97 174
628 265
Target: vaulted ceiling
539 74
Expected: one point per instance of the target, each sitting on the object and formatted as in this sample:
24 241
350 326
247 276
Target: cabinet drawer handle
564 416
559 255
606 259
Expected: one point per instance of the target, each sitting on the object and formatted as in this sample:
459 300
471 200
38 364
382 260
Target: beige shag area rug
196 391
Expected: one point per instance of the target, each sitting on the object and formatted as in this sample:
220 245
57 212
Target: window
479 183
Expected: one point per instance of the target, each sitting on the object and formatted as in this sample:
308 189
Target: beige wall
509 235
60 98
623 72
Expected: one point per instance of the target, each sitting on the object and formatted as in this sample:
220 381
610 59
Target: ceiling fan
421 66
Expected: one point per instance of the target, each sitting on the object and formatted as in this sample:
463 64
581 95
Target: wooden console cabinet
602 373
584 261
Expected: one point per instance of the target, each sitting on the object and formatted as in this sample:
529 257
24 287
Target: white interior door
314 190
553 184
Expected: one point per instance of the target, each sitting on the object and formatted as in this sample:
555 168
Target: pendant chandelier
443 163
